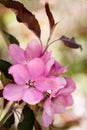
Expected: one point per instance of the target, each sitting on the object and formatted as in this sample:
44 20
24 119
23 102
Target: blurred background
71 16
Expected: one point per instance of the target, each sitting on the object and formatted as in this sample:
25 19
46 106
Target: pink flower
54 68
30 82
33 50
24 76
57 102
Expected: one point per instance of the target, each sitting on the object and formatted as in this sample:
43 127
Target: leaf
1 91
23 15
50 16
9 122
70 42
37 125
28 121
5 80
11 38
4 65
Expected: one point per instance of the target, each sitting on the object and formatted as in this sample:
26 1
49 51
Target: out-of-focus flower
58 101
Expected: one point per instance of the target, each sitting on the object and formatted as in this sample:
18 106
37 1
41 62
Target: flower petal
56 69
46 57
48 113
20 73
13 92
58 104
44 84
36 67
46 119
69 87
61 102
49 65
68 100
32 96
17 53
33 50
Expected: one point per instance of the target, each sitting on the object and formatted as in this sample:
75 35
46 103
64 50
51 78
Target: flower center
30 83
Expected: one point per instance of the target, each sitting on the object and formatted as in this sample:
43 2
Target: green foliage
11 38
4 65
9 122
28 120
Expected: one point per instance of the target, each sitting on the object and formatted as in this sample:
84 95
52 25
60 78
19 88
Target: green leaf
4 65
11 38
6 80
28 120
10 121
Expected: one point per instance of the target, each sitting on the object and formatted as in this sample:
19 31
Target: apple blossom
30 82
57 102
33 50
24 76
37 77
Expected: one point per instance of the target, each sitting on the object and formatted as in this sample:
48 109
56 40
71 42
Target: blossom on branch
58 100
37 77
33 50
30 82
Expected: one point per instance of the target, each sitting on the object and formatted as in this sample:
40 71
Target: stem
50 44
50 35
53 41
37 125
50 127
47 44
41 42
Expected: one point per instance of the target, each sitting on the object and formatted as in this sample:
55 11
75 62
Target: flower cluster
37 77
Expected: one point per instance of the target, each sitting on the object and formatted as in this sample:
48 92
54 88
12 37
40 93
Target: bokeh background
71 16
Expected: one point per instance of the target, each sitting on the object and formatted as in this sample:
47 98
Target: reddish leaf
70 42
50 16
1 95
23 15
37 125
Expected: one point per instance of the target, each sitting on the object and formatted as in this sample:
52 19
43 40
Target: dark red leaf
1 91
50 16
70 42
5 102
23 15
37 125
